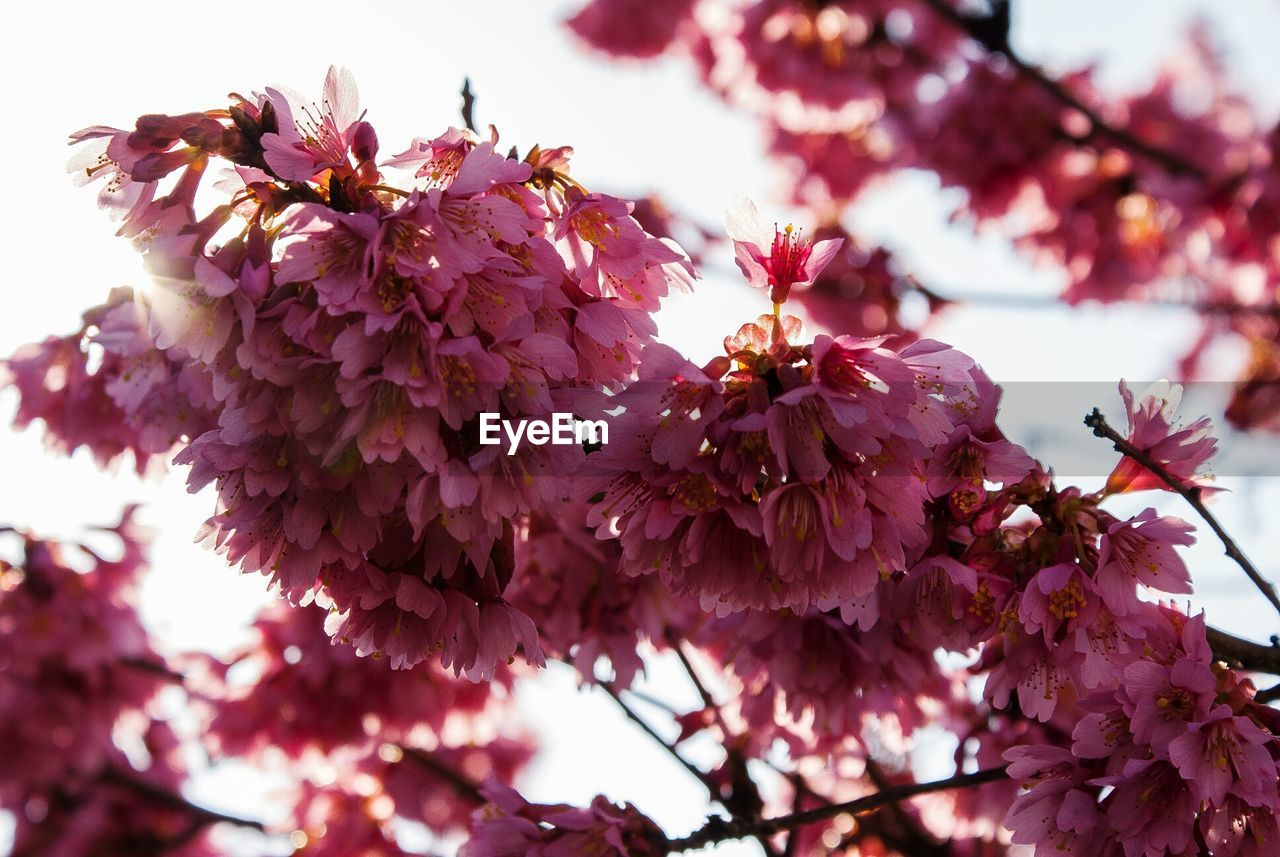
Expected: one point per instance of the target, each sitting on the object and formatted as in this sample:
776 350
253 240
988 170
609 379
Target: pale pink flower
1155 429
1142 550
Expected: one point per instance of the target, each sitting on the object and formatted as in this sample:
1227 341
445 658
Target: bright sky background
634 128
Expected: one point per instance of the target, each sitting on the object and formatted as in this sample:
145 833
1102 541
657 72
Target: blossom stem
1191 494
721 830
389 189
979 28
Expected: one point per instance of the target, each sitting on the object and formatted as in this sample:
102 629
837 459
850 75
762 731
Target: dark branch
744 800
992 33
720 830
155 668
463 786
1269 695
1244 654
468 105
1191 494
164 797
914 839
635 718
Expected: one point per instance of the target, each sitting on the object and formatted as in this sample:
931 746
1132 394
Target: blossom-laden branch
992 32
1192 493
721 830
820 516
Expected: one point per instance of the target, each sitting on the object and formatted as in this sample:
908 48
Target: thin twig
720 830
979 28
635 718
155 668
468 105
463 786
1191 494
745 800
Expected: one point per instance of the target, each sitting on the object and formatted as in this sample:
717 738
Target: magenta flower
651 26
1226 754
1152 810
790 260
509 826
1058 812
613 257
1059 597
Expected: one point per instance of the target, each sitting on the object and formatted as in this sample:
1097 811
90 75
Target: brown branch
1269 695
744 800
981 30
1243 654
720 830
1191 494
155 668
164 797
915 839
468 105
461 784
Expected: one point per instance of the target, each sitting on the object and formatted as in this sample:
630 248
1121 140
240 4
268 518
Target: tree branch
635 718
986 31
916 840
720 830
1269 695
744 800
468 105
463 786
1102 428
1244 654
155 668
151 791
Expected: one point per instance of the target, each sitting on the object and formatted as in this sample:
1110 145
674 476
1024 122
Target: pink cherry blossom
789 260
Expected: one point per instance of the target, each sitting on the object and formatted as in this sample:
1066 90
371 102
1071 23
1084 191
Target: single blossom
779 259
1155 429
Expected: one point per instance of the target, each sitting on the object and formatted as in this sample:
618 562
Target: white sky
634 128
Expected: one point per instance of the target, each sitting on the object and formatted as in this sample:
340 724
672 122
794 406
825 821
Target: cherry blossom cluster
97 758
413 742
808 466
77 669
837 527
338 337
109 389
1168 193
1176 754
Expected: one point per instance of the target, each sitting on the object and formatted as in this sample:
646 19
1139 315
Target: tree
805 523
